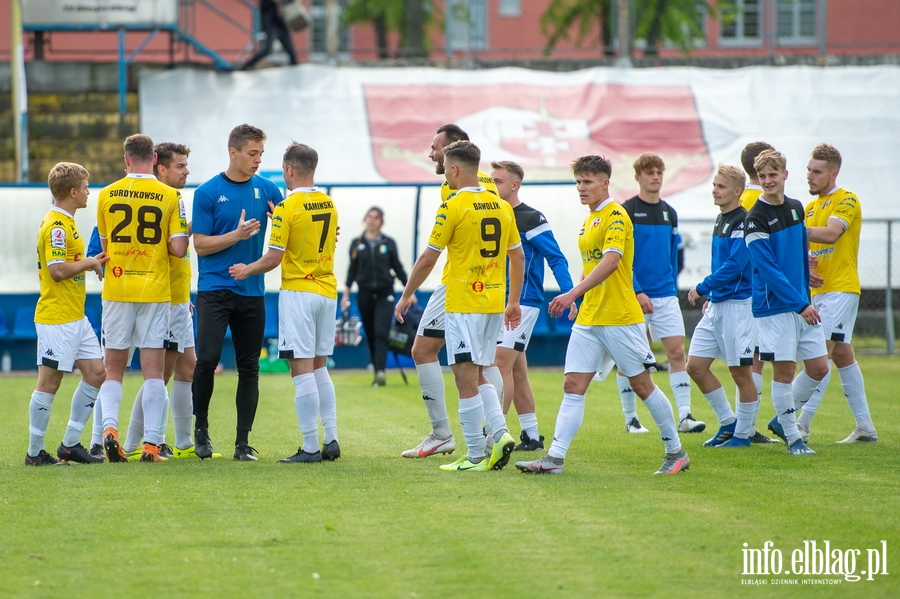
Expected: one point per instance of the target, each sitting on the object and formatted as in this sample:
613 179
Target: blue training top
776 238
730 269
539 244
217 210
656 242
94 246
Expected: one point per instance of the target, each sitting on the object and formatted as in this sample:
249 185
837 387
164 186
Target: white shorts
132 324
519 337
666 320
305 324
472 337
838 311
787 338
181 328
595 349
432 323
60 345
726 332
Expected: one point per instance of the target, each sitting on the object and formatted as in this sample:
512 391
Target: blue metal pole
123 72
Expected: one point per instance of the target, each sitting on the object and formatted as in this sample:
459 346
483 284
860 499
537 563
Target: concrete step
102 171
80 102
81 125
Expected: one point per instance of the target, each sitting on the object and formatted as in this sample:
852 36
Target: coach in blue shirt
229 211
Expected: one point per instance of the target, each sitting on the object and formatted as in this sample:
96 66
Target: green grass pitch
375 525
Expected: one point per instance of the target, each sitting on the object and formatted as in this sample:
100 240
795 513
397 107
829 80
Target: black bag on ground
402 336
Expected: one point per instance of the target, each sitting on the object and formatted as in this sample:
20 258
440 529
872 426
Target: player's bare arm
645 302
178 246
830 233
269 261
206 245
420 271
66 270
513 313
608 265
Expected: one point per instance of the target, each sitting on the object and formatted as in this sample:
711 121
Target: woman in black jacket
374 264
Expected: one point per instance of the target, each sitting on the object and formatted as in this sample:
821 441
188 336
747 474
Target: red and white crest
542 128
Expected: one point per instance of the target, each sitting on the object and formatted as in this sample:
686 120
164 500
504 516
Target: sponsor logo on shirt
223 199
58 237
477 287
118 271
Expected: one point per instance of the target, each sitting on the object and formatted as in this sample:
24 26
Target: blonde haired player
479 231
727 329
65 336
140 221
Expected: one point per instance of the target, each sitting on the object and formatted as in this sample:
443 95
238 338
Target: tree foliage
679 22
409 18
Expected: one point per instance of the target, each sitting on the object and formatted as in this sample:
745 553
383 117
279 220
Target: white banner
99 13
376 125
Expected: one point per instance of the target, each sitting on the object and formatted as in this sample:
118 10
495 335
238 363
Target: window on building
741 22
510 8
318 49
797 21
466 25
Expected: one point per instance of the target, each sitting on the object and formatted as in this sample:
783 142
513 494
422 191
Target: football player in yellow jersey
479 231
610 325
172 169
141 221
65 336
304 233
430 334
833 223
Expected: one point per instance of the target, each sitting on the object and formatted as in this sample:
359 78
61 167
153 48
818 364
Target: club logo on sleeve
58 237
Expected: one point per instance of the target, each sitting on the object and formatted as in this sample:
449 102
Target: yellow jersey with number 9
304 227
477 228
59 241
137 215
612 302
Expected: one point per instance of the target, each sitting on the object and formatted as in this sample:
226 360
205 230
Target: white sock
164 416
97 428
628 398
719 403
182 413
529 424
327 403
746 419
110 397
493 412
855 390
431 379
783 401
802 389
82 407
39 418
811 405
306 402
471 415
661 410
681 388
568 421
492 374
154 402
135 423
